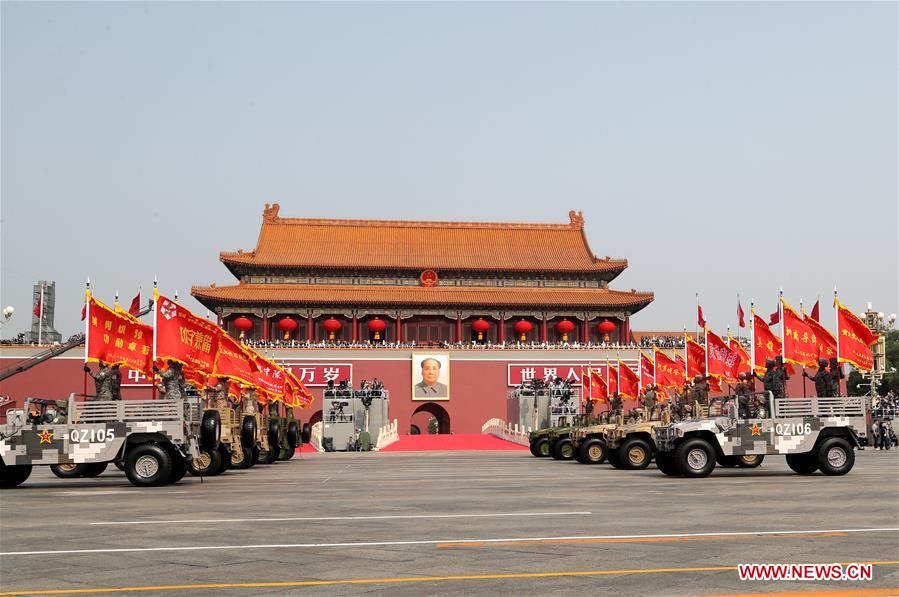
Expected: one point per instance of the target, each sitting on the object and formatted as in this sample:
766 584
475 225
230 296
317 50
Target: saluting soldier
836 374
821 379
102 380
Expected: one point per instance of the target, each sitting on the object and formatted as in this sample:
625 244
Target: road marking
426 542
648 539
100 492
830 592
414 579
311 519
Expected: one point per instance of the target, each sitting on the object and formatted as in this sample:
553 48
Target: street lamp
7 314
880 324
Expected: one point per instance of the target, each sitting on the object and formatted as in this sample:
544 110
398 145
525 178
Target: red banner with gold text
117 339
797 339
182 336
855 339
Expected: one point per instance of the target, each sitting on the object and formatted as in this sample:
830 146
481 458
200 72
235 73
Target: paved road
346 524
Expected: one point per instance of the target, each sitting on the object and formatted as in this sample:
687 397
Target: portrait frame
419 392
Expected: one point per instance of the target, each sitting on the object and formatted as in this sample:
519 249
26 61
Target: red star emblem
756 429
46 436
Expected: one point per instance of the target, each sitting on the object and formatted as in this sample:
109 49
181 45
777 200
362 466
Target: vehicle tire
635 453
750 460
119 464
96 469
594 451
179 468
293 435
695 458
13 475
205 464
563 449
665 462
614 458
243 458
267 456
307 433
274 432
248 430
803 464
286 453
210 430
68 471
533 448
543 447
727 461
148 465
224 459
835 456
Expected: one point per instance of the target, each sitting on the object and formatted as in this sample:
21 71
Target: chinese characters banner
724 362
269 377
695 359
669 372
647 367
599 390
234 361
630 383
855 339
822 340
319 374
184 337
744 366
798 347
767 345
116 338
613 379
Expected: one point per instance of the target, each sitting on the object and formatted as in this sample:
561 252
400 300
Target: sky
722 148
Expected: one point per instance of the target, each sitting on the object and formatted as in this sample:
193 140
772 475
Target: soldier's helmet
697 378
822 362
741 376
769 362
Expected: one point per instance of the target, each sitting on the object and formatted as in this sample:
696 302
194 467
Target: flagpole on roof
752 342
40 316
783 325
87 328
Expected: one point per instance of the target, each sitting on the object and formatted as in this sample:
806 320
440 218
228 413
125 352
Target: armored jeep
153 439
588 443
538 442
813 434
289 438
268 433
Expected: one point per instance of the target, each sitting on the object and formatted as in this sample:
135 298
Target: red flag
182 336
630 382
767 345
234 361
822 340
612 379
84 312
816 311
724 362
797 339
601 387
38 306
114 338
745 365
269 377
741 316
134 309
774 318
647 368
670 372
695 359
700 320
855 339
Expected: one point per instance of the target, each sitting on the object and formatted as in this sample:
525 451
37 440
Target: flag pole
752 343
87 329
40 317
155 331
836 315
802 314
686 357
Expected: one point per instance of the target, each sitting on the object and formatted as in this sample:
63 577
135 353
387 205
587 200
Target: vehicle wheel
286 453
635 453
594 451
243 458
727 461
695 458
147 465
835 456
543 447
274 432
224 459
68 471
204 465
307 432
563 449
293 434
248 430
614 458
665 462
267 456
14 475
804 464
750 460
210 430
533 447
119 464
179 468
95 470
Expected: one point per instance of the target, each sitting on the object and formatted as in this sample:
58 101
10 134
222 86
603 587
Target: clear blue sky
721 147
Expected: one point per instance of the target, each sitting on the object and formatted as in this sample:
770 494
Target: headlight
678 432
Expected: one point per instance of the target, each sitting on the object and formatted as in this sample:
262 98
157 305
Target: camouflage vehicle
630 446
268 433
153 439
813 434
589 444
289 438
539 442
237 444
556 441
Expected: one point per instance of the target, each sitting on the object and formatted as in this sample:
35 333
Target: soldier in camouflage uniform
220 394
102 380
836 374
116 382
615 403
700 391
821 378
784 375
173 384
649 401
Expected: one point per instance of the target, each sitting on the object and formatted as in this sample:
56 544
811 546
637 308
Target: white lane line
385 517
438 541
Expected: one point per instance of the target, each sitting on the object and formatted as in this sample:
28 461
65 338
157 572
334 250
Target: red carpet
427 443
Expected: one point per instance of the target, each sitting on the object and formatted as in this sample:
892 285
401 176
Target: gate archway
422 415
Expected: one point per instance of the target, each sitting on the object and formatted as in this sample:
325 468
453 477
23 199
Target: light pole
877 322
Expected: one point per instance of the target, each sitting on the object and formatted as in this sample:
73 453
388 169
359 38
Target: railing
128 410
315 437
839 406
388 434
503 430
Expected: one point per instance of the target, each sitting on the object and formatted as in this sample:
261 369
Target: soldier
249 400
743 391
649 401
836 374
220 394
116 382
173 384
772 380
821 379
615 403
784 375
102 380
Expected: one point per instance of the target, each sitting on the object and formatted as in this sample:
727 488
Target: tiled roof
322 243
396 296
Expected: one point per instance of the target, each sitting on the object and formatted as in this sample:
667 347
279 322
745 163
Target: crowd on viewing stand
439 345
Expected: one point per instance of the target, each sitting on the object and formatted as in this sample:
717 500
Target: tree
890 379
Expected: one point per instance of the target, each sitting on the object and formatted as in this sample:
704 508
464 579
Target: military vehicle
268 433
154 439
539 442
289 437
813 434
588 443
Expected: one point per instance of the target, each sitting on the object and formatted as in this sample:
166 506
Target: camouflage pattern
24 442
614 435
102 381
173 384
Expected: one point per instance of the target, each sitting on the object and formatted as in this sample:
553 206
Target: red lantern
377 326
605 328
331 326
565 327
243 325
480 326
522 328
287 325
